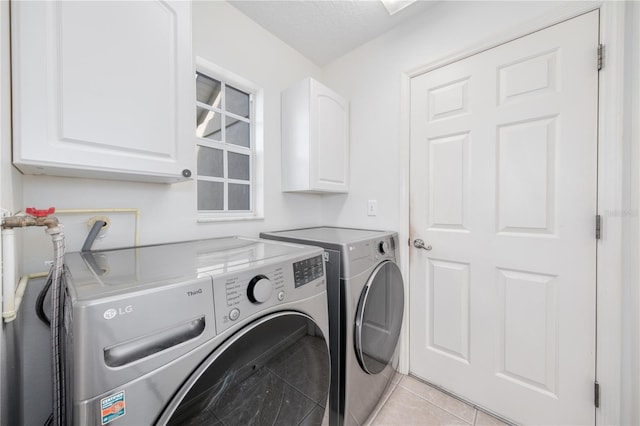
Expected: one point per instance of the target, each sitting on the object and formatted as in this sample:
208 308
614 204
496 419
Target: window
226 141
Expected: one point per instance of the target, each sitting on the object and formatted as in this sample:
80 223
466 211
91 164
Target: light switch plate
372 207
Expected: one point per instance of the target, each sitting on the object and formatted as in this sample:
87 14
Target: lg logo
112 313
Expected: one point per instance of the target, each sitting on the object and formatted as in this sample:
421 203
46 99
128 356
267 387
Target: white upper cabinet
315 139
103 89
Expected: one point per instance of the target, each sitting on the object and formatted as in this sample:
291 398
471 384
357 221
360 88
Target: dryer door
379 317
274 371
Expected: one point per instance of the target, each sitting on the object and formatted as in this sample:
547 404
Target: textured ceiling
327 29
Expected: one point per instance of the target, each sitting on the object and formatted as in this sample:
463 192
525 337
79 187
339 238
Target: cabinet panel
315 139
103 89
332 129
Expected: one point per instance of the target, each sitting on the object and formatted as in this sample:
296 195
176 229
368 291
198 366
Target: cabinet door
329 168
103 89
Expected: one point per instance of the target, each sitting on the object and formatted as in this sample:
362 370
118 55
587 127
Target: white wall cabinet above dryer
315 139
103 89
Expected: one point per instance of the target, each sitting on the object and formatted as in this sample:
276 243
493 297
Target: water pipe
135 211
12 294
8 275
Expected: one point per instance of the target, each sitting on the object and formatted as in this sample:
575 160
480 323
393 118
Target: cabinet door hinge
598 226
600 56
596 394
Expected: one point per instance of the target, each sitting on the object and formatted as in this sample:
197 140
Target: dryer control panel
240 295
361 255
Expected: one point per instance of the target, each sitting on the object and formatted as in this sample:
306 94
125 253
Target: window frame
255 150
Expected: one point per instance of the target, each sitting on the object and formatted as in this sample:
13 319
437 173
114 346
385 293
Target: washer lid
105 273
379 318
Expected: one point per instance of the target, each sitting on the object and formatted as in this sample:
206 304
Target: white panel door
503 188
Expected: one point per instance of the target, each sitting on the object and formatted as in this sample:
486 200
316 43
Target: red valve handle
40 213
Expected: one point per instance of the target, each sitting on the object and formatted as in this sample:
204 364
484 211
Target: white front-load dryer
229 331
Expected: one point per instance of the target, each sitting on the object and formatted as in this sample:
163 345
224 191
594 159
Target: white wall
10 178
167 212
3 165
10 199
631 227
371 77
229 39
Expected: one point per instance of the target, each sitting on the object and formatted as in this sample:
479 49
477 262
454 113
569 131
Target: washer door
379 317
274 371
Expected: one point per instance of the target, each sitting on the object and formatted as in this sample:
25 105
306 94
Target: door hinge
600 56
598 226
596 394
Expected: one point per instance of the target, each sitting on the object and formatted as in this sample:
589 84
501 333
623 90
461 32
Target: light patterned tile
484 419
442 400
383 399
407 409
387 393
397 377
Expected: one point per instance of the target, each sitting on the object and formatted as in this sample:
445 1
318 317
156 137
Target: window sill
210 219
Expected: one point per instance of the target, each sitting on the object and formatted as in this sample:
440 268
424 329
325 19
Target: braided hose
57 337
35 217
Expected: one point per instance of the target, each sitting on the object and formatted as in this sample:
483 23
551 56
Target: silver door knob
418 243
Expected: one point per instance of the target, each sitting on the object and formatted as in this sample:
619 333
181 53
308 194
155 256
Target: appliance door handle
133 350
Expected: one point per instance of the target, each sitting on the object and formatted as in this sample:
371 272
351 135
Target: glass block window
225 146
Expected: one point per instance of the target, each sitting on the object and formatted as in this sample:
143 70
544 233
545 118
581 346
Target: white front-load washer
229 331
366 307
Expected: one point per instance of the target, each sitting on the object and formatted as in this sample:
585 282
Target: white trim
8 197
222 111
612 31
255 152
226 75
566 11
403 232
610 166
631 393
208 218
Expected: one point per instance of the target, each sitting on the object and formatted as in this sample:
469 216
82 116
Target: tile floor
412 402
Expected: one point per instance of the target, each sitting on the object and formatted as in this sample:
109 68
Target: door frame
610 185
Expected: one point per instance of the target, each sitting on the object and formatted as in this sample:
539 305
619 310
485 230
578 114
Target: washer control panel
308 270
239 295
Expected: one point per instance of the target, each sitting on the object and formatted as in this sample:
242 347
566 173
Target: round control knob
259 289
383 247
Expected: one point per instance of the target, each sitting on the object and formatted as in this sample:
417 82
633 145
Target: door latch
418 243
